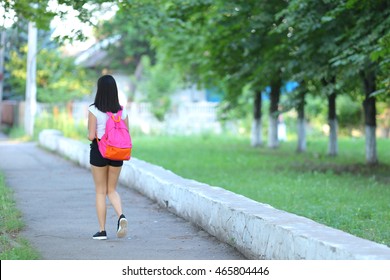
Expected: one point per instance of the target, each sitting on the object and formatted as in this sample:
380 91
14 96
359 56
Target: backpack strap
118 116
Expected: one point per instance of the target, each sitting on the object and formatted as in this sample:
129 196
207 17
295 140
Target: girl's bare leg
112 181
100 178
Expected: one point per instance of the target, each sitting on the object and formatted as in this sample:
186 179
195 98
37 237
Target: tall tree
312 45
365 23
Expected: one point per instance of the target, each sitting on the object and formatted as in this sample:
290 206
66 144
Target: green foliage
382 56
240 108
17 132
36 12
159 83
58 78
384 116
241 42
60 120
316 110
237 44
217 42
356 18
238 111
349 114
17 69
131 43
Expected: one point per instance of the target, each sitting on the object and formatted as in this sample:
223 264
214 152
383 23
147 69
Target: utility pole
31 86
2 51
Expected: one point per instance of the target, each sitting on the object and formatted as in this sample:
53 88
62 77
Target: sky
6 20
71 23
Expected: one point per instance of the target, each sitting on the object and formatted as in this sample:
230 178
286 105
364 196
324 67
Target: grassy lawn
12 246
340 192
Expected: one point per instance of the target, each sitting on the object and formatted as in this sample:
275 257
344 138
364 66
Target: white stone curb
257 230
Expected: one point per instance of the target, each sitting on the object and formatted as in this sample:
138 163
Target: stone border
257 230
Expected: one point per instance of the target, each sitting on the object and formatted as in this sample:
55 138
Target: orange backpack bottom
115 153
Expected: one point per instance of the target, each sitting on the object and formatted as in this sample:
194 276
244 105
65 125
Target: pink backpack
116 142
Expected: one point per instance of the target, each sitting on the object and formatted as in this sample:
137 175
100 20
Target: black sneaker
100 235
122 227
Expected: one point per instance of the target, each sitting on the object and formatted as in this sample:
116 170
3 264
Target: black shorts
96 158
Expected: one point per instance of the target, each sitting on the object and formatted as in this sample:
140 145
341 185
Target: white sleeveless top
102 118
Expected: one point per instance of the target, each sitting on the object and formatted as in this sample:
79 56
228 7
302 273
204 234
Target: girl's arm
92 124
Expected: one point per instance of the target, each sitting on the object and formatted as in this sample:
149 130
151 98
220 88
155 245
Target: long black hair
106 99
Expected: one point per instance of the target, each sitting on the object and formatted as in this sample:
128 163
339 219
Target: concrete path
57 200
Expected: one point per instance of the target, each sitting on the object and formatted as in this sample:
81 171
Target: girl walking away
105 172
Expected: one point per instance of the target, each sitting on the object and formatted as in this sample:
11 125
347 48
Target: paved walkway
57 200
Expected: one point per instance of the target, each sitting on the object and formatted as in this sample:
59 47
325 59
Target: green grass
341 192
12 246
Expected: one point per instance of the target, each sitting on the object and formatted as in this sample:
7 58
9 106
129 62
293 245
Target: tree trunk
301 124
273 114
137 78
370 118
31 85
2 52
256 133
333 125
